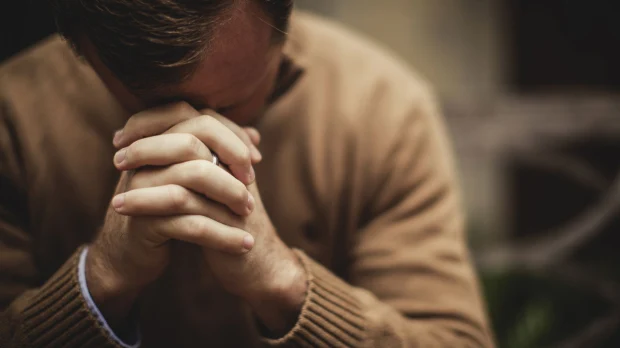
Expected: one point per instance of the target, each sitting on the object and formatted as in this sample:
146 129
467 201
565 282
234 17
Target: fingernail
118 136
252 175
248 242
119 158
118 201
251 202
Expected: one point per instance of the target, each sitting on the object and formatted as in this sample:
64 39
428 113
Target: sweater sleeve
411 282
36 312
130 340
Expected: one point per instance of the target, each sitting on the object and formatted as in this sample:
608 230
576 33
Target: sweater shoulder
361 79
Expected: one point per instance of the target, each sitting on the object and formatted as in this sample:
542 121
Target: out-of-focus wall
456 44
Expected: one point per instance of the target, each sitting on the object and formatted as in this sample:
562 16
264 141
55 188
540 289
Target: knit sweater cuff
331 315
58 316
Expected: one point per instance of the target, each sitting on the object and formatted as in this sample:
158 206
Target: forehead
239 54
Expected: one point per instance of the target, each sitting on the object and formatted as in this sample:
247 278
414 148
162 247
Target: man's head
221 54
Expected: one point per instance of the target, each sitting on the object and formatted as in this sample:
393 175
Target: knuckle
203 168
199 228
245 137
184 108
193 145
244 155
219 117
204 124
179 197
205 121
134 129
209 125
199 172
209 119
241 196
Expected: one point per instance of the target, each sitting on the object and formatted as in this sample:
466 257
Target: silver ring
215 159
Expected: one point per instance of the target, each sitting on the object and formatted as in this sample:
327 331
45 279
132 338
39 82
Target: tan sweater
357 173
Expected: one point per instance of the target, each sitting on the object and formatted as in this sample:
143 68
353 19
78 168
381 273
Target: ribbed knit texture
58 315
331 316
356 171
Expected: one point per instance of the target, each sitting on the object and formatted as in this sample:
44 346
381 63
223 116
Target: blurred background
530 92
529 89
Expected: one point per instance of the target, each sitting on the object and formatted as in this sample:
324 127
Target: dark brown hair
151 43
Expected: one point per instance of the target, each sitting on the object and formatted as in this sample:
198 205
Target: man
355 240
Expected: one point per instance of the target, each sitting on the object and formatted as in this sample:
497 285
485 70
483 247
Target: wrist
278 308
112 294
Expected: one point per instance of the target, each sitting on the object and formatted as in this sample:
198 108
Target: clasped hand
171 190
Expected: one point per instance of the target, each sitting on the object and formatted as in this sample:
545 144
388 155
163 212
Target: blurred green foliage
530 310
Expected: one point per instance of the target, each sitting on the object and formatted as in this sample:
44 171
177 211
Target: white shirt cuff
135 343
